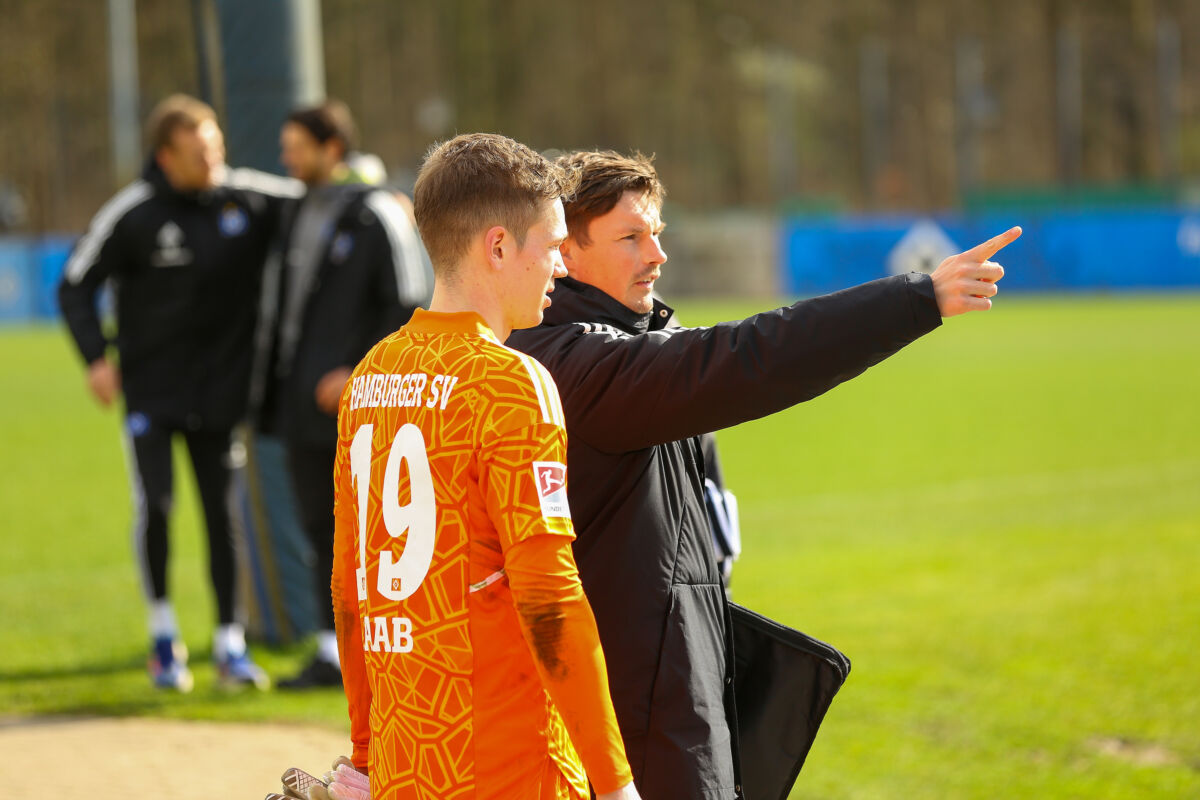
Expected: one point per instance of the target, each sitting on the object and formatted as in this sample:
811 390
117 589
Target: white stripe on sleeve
88 249
547 391
264 182
532 368
556 408
607 330
412 282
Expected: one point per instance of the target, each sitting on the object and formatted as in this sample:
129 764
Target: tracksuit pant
311 470
151 475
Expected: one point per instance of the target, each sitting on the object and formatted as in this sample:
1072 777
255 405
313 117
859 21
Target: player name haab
401 391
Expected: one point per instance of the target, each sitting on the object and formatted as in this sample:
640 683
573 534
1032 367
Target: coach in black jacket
184 247
637 397
351 272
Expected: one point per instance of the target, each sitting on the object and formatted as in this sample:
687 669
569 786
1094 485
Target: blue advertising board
1097 250
50 257
16 280
30 269
1093 250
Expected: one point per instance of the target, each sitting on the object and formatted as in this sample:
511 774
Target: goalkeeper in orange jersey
469 653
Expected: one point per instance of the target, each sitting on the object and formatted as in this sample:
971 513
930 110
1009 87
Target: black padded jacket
637 397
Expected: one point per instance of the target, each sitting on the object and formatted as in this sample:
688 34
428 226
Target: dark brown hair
478 180
328 120
177 112
604 176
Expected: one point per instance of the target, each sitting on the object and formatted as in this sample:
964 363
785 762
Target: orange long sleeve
560 630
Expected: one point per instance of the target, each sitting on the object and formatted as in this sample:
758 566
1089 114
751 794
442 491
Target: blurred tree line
770 104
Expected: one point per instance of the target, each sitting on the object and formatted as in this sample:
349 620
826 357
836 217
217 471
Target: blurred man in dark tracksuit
184 247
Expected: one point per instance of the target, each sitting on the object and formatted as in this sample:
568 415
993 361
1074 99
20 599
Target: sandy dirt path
111 759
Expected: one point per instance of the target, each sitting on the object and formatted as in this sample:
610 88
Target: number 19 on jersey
397 578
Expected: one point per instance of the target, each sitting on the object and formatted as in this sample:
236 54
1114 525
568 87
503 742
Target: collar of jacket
575 301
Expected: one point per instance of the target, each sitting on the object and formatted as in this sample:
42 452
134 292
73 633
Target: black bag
784 681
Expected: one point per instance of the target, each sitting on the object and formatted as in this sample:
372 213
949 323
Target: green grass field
1000 526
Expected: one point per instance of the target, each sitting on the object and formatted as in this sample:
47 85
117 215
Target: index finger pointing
992 246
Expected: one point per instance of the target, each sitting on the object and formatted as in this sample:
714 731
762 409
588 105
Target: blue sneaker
168 665
239 670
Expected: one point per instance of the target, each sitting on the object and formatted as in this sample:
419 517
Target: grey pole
272 61
207 36
124 113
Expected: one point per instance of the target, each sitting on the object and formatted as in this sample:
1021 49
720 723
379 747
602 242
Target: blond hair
177 112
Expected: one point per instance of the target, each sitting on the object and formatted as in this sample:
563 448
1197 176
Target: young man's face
304 157
194 158
624 257
535 267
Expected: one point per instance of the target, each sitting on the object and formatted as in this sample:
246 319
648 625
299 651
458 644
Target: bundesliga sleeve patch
550 477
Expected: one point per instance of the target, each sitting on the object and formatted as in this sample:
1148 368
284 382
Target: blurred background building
758 110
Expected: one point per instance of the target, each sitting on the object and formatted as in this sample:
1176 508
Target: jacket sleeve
393 250
99 254
624 393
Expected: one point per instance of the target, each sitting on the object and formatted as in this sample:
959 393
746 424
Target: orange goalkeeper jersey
470 657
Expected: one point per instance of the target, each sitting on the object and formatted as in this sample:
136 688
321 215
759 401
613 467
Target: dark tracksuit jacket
370 276
637 397
186 270
362 280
